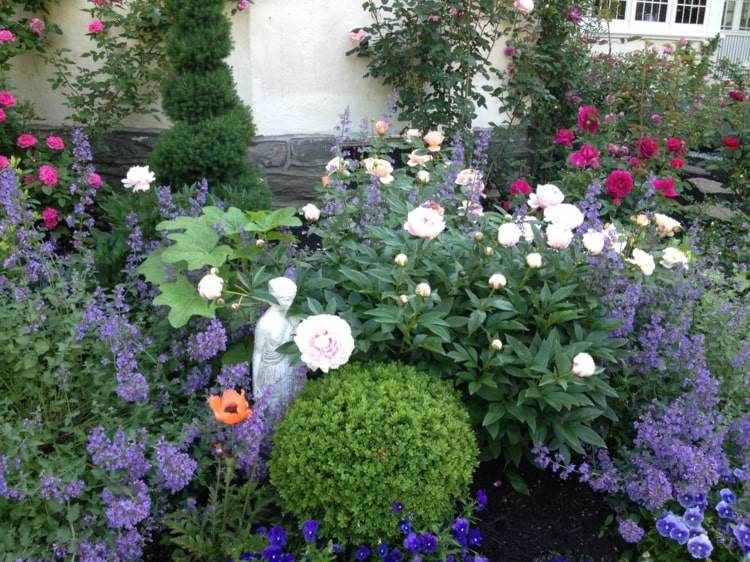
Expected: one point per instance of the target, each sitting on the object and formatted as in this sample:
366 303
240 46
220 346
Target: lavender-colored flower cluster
174 468
205 344
125 512
120 453
235 376
51 488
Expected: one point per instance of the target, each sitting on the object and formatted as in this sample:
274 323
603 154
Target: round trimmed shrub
369 435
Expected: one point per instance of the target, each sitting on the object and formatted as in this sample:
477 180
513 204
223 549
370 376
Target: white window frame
738 5
669 29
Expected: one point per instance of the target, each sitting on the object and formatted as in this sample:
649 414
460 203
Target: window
728 18
612 8
690 11
651 10
736 15
745 16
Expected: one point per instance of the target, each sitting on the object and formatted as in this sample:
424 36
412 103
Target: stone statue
274 377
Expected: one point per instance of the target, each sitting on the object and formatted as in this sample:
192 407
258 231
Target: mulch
558 516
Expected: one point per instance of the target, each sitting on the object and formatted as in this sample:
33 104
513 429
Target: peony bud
381 128
235 306
497 281
423 290
583 365
260 243
478 236
326 181
211 286
489 251
534 260
401 260
404 299
312 213
642 220
497 345
423 176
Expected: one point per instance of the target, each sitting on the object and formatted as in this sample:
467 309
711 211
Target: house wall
289 63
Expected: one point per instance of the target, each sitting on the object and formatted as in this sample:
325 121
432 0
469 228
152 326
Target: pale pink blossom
324 341
547 195
358 36
424 222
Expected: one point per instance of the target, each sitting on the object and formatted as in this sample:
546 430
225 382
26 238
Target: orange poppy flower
230 408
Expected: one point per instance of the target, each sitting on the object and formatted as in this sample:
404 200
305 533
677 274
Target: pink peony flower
656 118
633 162
677 163
453 12
7 99
510 51
325 342
610 118
55 143
683 42
619 183
3 116
50 216
574 15
647 148
424 222
577 160
26 140
732 142
524 6
96 26
243 5
433 18
565 137
36 26
48 175
95 180
737 95
520 187
7 36
4 162
666 186
675 145
588 119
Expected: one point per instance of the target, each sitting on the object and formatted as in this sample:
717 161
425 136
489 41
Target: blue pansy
700 547
363 553
728 496
693 517
277 536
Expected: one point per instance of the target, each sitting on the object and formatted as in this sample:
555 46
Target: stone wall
291 163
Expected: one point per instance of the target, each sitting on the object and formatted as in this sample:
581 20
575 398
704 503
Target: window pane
745 16
690 12
728 18
651 10
612 8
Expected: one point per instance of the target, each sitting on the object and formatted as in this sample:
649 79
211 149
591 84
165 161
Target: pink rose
4 162
675 145
510 51
3 116
433 18
7 99
565 137
36 26
574 15
325 342
243 5
633 162
619 183
95 180
524 6
666 187
520 187
453 12
732 142
677 163
424 222
26 140
577 160
50 216
48 175
28 180
656 118
647 148
55 143
358 36
588 119
96 26
7 36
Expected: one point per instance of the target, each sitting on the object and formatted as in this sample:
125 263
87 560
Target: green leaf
476 319
153 268
197 246
184 302
517 482
265 221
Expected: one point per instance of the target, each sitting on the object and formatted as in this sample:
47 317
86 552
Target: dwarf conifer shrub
368 436
212 129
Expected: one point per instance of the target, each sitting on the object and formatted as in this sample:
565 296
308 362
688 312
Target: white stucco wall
289 64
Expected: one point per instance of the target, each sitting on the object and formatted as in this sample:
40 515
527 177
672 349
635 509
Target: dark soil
559 516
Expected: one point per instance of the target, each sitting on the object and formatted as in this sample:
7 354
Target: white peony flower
547 195
379 168
312 213
410 135
325 342
565 215
497 281
508 234
424 222
594 241
337 164
528 228
583 365
139 178
666 226
673 257
534 260
558 237
423 290
468 177
211 285
644 260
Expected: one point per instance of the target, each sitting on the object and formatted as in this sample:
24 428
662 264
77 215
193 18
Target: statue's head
284 290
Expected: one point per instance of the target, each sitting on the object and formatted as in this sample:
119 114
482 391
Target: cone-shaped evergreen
212 129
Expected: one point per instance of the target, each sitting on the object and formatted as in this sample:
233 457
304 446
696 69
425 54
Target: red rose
520 186
633 162
565 137
50 218
619 184
737 95
675 145
732 142
647 148
666 186
588 119
677 163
